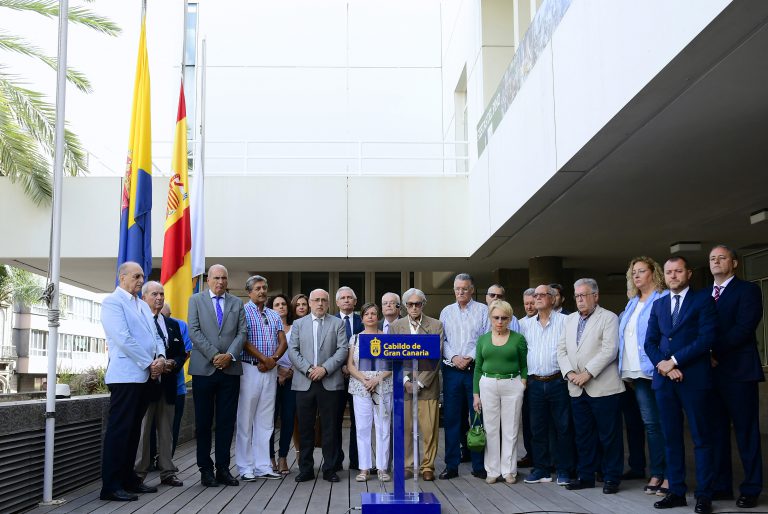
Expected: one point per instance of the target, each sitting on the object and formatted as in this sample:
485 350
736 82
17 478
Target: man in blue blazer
346 299
736 371
680 335
136 356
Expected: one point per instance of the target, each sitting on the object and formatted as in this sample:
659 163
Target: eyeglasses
461 289
386 304
582 296
495 295
500 318
418 305
540 295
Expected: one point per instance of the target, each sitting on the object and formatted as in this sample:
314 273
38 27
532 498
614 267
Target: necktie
160 331
318 336
219 312
717 292
347 328
676 311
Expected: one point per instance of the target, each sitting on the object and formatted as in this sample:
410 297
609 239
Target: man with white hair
426 383
390 310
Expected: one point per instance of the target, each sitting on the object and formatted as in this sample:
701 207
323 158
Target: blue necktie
219 312
676 311
347 328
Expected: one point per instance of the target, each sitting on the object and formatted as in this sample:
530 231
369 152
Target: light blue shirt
542 343
462 328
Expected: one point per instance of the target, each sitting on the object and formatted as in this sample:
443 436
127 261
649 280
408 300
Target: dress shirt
542 343
462 328
133 299
161 321
261 334
722 286
316 335
414 326
213 301
385 326
682 299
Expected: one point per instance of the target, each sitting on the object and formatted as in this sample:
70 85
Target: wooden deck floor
463 495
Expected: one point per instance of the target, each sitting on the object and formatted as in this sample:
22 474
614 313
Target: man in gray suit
218 331
317 349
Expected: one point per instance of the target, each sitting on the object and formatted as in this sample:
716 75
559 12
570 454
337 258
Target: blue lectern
377 349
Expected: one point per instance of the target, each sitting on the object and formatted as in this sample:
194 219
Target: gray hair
252 280
345 288
591 282
413 291
529 292
123 268
551 291
216 266
465 276
148 284
503 291
397 296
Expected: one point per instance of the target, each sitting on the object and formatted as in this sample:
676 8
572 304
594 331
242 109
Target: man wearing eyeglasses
390 310
463 322
548 401
588 358
258 384
317 349
497 292
426 384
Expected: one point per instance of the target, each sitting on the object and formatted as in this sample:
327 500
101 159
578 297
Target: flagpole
184 38
55 258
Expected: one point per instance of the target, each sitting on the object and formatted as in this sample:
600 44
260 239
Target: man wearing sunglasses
258 384
426 384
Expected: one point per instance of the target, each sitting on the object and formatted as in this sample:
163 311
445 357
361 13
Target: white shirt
348 321
673 301
630 361
722 286
133 299
213 300
315 326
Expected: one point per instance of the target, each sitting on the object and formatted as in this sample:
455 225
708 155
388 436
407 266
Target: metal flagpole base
412 503
52 503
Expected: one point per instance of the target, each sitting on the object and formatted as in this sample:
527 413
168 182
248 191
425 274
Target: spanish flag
176 273
136 209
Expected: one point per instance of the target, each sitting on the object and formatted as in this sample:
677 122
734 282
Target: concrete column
545 270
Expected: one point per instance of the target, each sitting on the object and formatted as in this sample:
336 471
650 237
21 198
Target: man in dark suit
218 331
681 332
317 349
353 324
162 406
736 371
136 356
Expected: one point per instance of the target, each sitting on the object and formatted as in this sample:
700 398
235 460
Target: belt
501 376
548 378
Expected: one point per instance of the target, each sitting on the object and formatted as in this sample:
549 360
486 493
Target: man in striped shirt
548 400
463 322
258 384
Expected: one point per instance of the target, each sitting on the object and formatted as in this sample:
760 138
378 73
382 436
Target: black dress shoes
447 474
225 478
118 496
633 475
172 481
577 484
703 506
141 488
670 501
610 487
305 476
480 474
746 502
331 477
207 479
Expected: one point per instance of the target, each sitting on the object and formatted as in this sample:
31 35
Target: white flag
197 206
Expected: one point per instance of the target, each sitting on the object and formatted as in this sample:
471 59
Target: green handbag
476 436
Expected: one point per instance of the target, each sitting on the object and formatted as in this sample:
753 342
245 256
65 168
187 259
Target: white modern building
384 145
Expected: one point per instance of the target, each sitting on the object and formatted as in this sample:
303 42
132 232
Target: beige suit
429 395
597 353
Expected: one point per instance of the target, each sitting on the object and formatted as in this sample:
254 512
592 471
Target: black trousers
308 403
215 396
127 405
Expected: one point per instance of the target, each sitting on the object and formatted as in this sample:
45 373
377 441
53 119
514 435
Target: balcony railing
7 352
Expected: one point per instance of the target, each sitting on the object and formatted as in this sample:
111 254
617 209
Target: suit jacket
132 340
175 350
597 353
208 338
357 323
332 351
431 378
739 310
381 323
689 342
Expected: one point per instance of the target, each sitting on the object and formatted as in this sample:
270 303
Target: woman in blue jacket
645 284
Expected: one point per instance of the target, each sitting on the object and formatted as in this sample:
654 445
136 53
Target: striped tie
676 311
717 292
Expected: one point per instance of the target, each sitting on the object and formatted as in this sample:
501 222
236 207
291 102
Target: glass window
65 346
38 343
311 280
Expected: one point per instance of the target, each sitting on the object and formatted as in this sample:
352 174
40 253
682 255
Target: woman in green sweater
501 372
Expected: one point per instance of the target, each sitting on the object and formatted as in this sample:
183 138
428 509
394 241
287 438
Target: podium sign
396 348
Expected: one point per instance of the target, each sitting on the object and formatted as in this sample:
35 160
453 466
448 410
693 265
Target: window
38 343
96 315
96 345
79 347
65 346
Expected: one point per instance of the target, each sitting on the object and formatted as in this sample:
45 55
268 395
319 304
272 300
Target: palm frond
38 117
79 15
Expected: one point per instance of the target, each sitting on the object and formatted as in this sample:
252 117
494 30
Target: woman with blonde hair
501 373
645 284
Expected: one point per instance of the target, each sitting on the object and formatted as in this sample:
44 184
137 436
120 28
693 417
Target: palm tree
19 286
27 121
